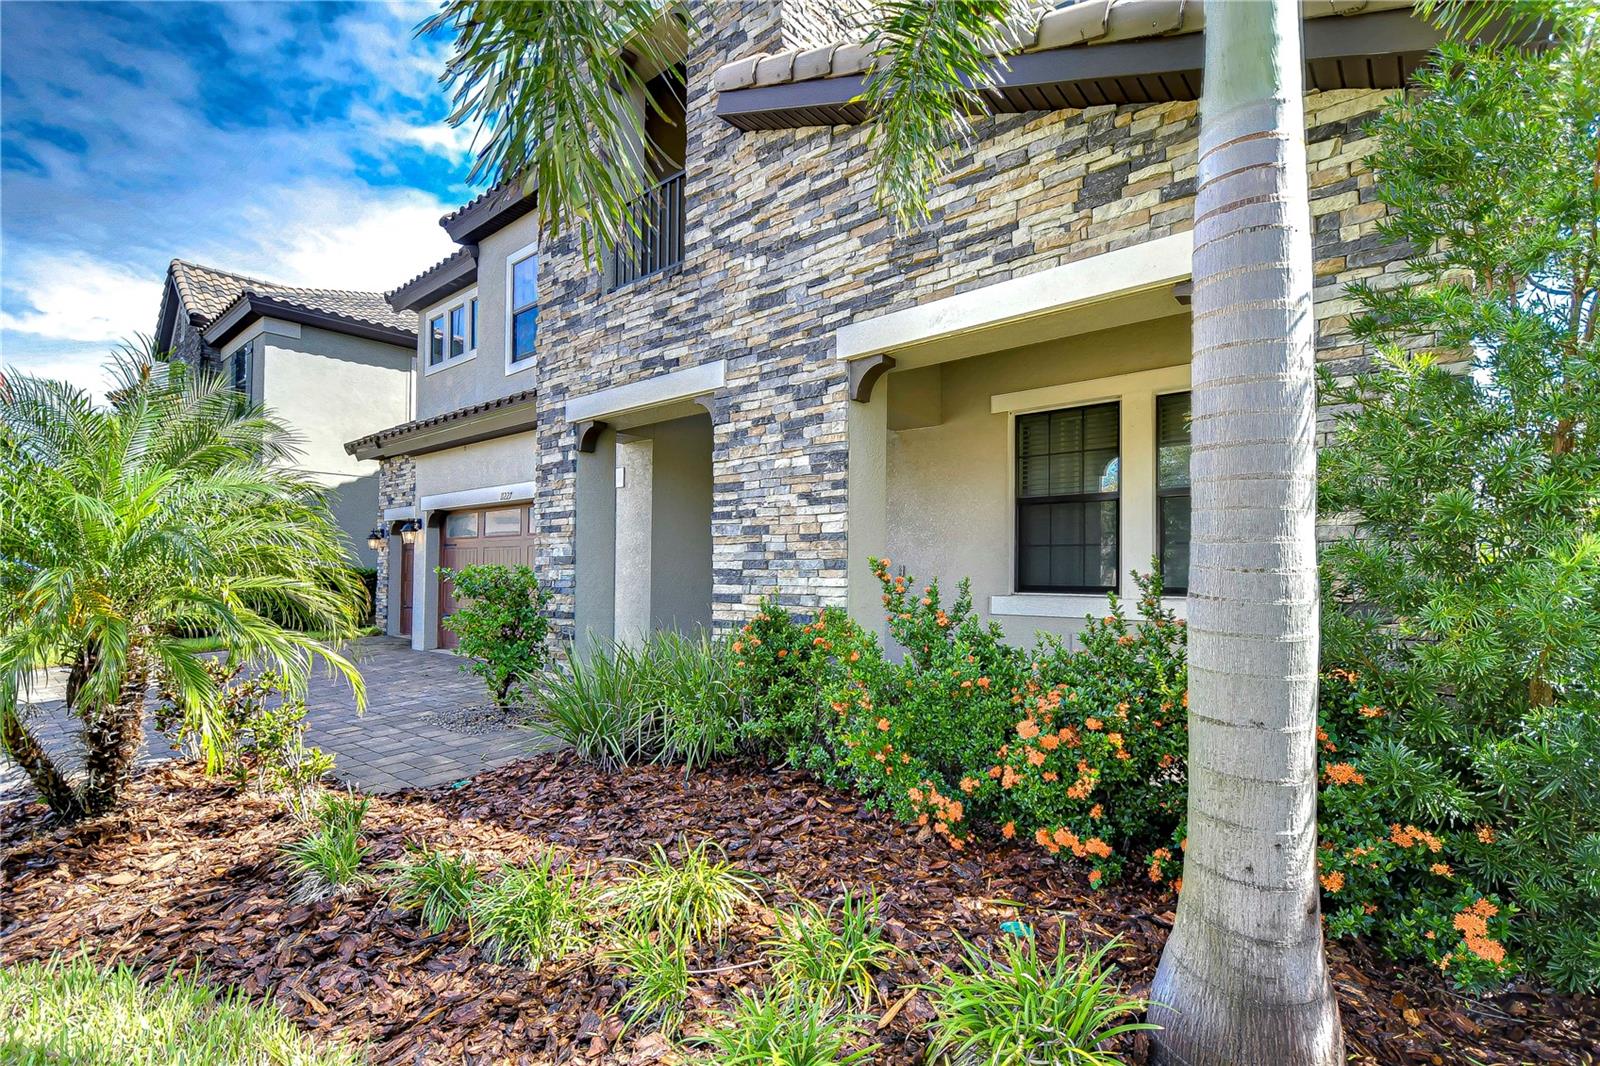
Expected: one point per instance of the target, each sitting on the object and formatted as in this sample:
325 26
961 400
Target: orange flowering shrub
780 666
1093 766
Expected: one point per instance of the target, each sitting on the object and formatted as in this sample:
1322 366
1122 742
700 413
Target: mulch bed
189 875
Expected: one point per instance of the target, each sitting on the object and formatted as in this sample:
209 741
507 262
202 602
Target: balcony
654 241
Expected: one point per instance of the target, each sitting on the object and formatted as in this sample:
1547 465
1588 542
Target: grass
695 899
76 1012
814 958
437 885
658 981
327 860
1016 1009
531 913
773 1028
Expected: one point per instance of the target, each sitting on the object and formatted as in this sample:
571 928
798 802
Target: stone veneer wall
783 246
397 487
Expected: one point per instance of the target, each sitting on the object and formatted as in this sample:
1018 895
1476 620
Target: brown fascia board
1147 70
452 429
494 210
446 279
249 307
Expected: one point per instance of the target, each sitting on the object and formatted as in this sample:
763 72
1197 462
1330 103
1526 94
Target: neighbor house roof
451 429
220 302
1083 54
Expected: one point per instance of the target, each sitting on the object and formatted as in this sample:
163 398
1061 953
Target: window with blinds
1172 490
1068 499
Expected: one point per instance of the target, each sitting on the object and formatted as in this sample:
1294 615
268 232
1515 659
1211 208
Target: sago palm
174 512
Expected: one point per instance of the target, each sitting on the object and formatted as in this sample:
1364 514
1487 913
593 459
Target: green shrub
1017 1009
531 913
780 669
76 1012
327 860
688 686
811 957
436 885
1469 608
658 980
595 704
695 899
772 1027
502 626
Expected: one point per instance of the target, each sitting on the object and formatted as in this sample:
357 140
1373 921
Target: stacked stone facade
397 487
784 246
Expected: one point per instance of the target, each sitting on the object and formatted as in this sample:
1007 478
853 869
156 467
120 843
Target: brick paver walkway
418 730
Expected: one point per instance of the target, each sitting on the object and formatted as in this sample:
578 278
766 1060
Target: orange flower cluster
1064 838
1410 836
1371 712
1485 835
945 811
1332 881
1473 925
1342 773
1157 858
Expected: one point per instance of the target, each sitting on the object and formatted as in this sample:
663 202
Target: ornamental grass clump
692 900
595 703
1015 1009
437 886
831 953
532 913
657 976
778 1027
327 860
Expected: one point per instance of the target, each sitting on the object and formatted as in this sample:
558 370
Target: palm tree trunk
1243 979
19 744
112 736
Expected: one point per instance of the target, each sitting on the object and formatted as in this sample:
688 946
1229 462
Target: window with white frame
523 310
1068 499
452 334
1172 490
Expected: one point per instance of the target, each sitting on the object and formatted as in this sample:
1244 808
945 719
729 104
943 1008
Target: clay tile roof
208 292
1038 28
363 446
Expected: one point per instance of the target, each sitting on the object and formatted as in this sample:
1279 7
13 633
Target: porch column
425 586
867 512
595 547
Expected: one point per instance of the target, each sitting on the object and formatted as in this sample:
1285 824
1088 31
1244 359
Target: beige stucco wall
508 460
484 376
951 513
331 387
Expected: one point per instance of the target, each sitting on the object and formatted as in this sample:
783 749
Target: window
503 523
458 332
1172 490
240 368
472 324
436 340
524 303
461 525
1068 499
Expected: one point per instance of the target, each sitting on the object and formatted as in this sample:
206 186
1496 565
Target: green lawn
77 1012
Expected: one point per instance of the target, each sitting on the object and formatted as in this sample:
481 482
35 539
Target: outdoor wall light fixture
375 539
409 531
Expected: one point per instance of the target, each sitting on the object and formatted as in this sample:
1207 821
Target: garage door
493 536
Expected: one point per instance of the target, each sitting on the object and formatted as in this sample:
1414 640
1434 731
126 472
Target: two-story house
771 384
326 361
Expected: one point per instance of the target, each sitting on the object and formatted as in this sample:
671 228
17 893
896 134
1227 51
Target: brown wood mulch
189 876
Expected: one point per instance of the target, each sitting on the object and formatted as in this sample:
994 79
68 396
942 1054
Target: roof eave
494 211
446 279
485 421
250 307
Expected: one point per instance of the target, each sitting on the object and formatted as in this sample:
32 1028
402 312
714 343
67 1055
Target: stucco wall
951 509
504 461
483 377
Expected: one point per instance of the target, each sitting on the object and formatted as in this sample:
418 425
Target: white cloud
69 296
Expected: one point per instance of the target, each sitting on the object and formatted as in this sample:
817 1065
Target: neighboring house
771 384
325 361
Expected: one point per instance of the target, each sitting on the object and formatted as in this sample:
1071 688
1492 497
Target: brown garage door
496 535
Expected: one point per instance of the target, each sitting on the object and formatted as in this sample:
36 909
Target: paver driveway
420 727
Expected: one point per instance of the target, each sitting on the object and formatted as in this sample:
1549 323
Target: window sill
1074 605
448 363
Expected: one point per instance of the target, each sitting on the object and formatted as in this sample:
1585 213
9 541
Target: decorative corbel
864 373
588 433
1183 291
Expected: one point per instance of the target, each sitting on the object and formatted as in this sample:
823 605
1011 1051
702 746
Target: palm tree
174 512
1243 978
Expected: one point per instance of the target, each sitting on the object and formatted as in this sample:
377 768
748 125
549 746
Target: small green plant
689 689
1016 1009
436 885
502 625
531 913
327 860
772 1027
593 702
812 957
695 900
77 1012
658 980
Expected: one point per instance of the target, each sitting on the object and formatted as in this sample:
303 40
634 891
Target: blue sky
300 142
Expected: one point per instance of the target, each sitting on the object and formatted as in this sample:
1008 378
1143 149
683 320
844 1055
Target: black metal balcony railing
654 240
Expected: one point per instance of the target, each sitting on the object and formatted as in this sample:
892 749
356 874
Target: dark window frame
1165 494
1021 503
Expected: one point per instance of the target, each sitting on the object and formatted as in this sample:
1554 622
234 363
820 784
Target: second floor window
458 331
240 368
435 340
452 334
524 302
